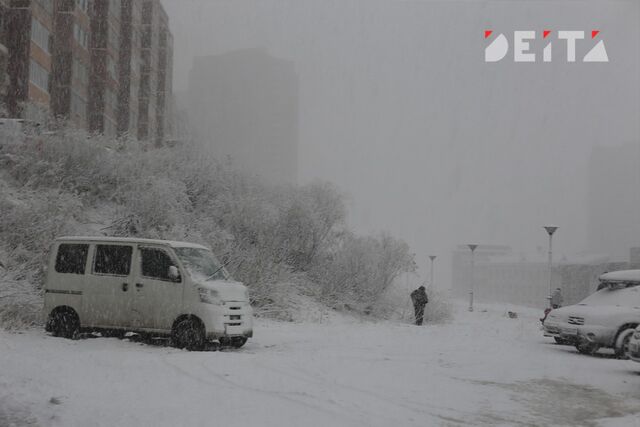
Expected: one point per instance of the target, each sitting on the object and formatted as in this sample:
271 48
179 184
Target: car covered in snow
605 319
161 287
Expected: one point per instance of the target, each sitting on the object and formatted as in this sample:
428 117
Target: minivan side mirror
174 274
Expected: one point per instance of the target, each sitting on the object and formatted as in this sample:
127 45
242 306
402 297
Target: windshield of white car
202 264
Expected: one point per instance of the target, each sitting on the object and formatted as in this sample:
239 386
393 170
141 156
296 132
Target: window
40 35
81 36
112 259
78 105
155 264
80 72
39 76
71 258
47 5
83 5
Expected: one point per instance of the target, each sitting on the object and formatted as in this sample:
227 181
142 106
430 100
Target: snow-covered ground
482 369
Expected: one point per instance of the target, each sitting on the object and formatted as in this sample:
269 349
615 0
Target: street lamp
473 248
550 230
432 258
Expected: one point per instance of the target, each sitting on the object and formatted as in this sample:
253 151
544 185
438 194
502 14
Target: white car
152 286
607 318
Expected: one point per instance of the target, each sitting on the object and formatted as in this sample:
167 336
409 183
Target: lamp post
550 230
473 248
432 258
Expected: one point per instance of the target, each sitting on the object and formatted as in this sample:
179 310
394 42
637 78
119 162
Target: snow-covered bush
267 235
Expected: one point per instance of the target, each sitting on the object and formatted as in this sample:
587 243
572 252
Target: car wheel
189 334
622 343
586 347
238 342
64 324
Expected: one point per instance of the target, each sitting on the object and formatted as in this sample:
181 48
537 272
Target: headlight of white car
209 296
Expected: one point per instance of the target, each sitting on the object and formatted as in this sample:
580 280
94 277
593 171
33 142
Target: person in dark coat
419 299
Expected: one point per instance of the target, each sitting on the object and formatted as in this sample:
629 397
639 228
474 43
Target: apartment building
129 66
71 61
103 78
29 29
4 52
103 65
165 76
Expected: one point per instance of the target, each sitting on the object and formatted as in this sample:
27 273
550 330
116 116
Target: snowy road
482 369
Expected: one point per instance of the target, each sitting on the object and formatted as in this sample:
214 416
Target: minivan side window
112 260
155 264
71 258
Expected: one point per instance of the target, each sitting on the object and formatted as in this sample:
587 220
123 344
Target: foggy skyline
429 142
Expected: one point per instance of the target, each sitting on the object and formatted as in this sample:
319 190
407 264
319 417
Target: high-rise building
165 76
129 66
103 79
29 29
244 104
71 62
103 65
4 52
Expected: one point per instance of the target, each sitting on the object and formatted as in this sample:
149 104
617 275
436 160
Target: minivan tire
238 342
64 323
622 343
189 334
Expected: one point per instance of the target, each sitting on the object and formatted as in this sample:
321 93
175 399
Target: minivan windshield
202 264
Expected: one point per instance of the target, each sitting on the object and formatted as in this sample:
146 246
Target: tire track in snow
269 393
452 414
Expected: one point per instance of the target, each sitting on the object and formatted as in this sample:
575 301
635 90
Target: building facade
102 65
29 29
71 62
244 105
104 76
129 66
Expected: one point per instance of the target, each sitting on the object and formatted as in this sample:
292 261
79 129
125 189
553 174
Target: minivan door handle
125 287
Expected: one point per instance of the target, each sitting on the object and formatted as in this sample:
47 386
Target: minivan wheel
238 342
622 343
64 324
189 334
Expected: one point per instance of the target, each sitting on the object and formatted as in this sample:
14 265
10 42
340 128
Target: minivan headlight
209 296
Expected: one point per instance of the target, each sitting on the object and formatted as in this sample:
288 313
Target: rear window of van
71 258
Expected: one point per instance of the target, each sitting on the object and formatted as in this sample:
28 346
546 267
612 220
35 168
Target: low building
509 278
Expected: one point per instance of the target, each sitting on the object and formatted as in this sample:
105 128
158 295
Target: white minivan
162 287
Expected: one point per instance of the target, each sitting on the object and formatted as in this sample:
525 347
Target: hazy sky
399 109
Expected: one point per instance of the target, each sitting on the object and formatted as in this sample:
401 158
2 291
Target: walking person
419 299
556 299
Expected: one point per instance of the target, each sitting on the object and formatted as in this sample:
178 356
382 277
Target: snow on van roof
621 276
171 243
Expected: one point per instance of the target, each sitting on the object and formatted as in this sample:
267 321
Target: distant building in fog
501 276
614 200
245 105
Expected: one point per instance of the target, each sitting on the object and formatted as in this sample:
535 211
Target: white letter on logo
597 54
571 37
497 49
520 46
